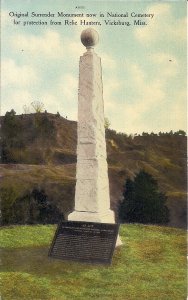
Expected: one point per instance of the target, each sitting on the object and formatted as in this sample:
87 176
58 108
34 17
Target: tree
38 106
44 127
26 109
106 123
12 130
180 132
42 210
143 202
127 206
145 133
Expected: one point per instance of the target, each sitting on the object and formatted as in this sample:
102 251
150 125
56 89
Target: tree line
179 132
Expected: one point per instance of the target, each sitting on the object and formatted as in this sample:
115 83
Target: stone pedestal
92 200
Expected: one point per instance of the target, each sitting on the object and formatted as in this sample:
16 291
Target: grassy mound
151 264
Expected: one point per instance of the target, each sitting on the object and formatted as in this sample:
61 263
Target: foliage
144 134
162 156
37 106
106 123
12 135
141 267
26 109
46 211
170 133
28 185
12 129
44 127
31 208
8 197
180 132
143 202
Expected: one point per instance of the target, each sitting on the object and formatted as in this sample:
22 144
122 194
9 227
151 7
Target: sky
144 66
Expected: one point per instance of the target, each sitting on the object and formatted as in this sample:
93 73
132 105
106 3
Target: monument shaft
92 200
92 181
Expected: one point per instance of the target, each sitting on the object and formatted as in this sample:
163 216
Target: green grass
151 264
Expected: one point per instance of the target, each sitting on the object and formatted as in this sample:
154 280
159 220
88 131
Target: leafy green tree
127 206
143 202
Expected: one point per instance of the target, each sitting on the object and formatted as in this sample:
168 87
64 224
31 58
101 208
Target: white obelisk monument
92 199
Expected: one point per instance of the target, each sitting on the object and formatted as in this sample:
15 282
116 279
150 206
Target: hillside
151 264
39 152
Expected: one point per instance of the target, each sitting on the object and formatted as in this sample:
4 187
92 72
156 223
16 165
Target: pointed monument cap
89 38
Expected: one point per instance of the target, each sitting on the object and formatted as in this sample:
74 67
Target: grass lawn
151 264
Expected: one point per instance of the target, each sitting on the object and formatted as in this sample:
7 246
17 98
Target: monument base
104 217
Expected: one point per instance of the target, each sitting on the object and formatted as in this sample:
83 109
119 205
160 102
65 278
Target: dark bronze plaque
84 241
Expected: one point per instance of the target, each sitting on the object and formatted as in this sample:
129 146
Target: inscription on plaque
84 241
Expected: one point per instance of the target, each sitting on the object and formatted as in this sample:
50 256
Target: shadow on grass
35 260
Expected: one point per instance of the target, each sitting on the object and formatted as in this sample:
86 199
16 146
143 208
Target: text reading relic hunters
74 19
